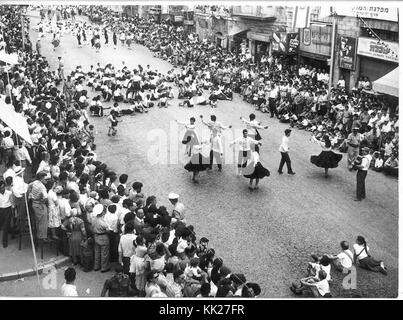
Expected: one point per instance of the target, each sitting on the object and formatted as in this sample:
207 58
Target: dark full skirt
198 163
257 172
326 159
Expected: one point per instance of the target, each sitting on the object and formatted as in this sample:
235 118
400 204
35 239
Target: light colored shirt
19 187
69 290
346 258
216 144
366 161
284 147
112 220
126 244
360 251
323 287
6 199
244 143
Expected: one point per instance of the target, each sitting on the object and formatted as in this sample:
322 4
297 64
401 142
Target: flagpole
32 239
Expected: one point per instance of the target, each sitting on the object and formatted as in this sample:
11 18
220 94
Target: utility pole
332 53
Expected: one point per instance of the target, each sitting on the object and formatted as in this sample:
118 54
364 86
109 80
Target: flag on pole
302 17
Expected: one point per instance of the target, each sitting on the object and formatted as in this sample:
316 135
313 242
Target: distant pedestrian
362 174
106 36
79 39
113 123
115 40
69 288
38 46
284 148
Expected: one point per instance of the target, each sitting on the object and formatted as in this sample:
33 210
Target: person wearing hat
354 140
101 238
178 212
362 170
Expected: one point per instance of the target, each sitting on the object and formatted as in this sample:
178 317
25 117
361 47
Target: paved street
268 234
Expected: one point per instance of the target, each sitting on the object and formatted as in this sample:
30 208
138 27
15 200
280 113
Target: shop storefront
315 46
376 59
259 44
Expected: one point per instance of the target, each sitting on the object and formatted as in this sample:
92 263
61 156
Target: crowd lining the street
98 215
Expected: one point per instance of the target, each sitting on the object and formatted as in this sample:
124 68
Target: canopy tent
15 121
388 84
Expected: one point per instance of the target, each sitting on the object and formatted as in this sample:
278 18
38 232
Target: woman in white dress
53 208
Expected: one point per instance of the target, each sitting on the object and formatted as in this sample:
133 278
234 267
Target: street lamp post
332 53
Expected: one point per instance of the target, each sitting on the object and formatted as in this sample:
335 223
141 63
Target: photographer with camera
362 170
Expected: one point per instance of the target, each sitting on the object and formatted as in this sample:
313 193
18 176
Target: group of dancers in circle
249 164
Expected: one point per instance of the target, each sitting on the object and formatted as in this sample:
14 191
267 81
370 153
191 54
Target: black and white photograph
199 150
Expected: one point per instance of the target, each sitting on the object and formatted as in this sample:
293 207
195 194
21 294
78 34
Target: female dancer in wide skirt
327 158
255 171
197 162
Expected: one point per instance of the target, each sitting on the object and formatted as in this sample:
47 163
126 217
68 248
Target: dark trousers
361 175
217 156
5 222
126 265
114 244
285 158
272 107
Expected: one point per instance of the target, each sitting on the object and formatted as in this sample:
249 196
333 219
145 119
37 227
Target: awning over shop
239 34
264 37
388 84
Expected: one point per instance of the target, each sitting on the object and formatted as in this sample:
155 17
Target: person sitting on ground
391 166
378 162
319 287
344 260
363 258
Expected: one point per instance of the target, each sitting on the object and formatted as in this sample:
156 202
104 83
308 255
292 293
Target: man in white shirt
216 151
344 260
68 288
362 174
244 144
126 247
6 205
284 148
19 189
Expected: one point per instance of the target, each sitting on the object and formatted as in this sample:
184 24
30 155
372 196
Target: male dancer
245 153
284 148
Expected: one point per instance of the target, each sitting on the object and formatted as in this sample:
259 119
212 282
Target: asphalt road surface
267 234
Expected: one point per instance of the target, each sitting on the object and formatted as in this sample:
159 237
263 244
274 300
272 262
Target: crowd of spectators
96 216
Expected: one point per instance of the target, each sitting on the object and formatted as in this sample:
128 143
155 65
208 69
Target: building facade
366 42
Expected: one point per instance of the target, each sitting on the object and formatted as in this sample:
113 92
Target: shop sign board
370 47
371 11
